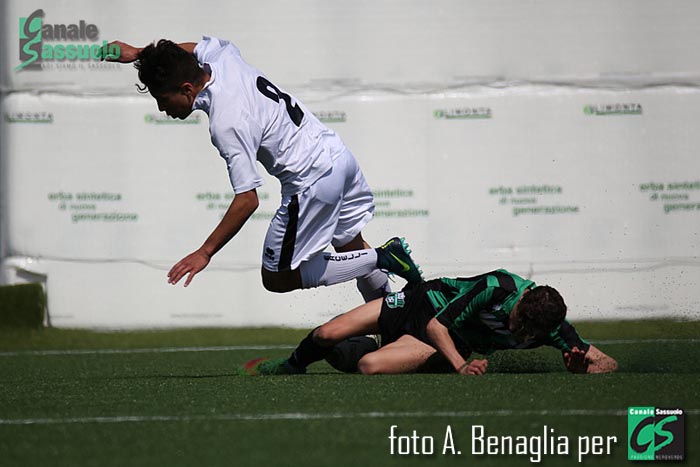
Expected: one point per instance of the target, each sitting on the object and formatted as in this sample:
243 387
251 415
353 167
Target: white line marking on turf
646 341
137 351
315 416
227 348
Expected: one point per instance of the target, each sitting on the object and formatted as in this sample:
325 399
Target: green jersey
476 310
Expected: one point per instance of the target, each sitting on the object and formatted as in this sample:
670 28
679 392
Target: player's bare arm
591 362
128 53
241 208
440 337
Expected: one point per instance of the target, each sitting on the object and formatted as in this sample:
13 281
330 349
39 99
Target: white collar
203 99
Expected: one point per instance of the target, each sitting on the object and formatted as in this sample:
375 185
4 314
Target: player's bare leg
357 322
409 355
319 343
406 355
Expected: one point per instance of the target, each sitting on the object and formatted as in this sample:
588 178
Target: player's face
176 104
516 325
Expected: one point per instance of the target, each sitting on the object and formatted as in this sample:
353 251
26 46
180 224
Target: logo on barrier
464 113
331 116
655 434
29 117
613 109
160 119
42 43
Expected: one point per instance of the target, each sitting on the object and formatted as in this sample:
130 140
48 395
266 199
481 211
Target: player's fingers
477 367
178 273
174 279
171 277
174 269
190 277
181 268
172 274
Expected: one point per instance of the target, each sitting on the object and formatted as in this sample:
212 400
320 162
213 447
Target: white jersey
251 119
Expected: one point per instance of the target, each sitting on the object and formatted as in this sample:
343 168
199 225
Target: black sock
308 352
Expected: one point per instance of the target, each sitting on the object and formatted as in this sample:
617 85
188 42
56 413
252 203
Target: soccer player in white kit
325 197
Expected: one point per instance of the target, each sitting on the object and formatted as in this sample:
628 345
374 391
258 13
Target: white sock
333 268
374 285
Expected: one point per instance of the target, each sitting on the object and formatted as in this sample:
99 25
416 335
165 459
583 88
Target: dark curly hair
163 67
540 312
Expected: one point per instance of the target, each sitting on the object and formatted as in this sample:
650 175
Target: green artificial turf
75 398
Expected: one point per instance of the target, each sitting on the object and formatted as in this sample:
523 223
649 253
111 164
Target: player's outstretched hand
475 368
127 53
190 265
576 361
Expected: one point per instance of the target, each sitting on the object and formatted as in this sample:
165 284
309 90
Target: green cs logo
655 434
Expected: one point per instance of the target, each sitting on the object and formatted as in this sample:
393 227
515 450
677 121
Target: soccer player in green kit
448 319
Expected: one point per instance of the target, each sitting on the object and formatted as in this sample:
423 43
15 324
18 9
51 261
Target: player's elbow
246 202
251 201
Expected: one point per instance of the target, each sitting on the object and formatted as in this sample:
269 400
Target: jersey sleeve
238 145
565 338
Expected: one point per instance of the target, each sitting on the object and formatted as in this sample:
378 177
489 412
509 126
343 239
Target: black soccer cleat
395 257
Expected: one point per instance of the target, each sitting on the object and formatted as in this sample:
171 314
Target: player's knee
325 336
370 365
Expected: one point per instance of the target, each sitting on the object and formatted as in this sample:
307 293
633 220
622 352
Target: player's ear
187 89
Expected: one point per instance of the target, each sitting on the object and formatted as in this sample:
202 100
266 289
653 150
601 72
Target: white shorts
332 211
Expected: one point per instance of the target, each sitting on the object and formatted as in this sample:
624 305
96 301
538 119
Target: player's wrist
206 251
461 368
